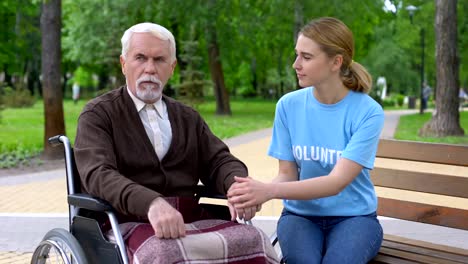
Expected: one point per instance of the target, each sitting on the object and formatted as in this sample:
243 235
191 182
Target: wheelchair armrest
86 201
55 140
202 191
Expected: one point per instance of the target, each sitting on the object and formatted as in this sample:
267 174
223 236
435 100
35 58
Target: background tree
51 58
190 90
254 41
446 120
462 24
18 44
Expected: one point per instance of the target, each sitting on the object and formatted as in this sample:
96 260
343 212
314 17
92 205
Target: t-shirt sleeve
280 146
362 147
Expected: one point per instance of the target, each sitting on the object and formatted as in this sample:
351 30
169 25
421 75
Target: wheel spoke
58 247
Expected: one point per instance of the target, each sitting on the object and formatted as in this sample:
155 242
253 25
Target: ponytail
356 78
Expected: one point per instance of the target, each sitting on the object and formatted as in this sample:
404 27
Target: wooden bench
419 182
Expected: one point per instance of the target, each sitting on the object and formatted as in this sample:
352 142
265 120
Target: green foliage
83 77
17 98
463 41
2 106
19 36
190 91
399 99
19 157
243 81
393 101
256 38
395 50
390 60
388 102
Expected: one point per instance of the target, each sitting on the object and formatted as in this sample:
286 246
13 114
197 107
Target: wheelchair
85 242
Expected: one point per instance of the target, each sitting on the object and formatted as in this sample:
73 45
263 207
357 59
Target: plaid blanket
207 240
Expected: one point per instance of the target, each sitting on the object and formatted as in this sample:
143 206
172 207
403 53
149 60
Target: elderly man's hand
246 213
166 221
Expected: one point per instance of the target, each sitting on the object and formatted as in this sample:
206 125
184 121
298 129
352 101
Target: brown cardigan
117 162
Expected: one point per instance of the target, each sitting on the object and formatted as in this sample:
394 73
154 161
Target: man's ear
173 66
122 63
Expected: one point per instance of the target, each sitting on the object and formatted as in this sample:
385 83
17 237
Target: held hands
245 213
166 221
247 193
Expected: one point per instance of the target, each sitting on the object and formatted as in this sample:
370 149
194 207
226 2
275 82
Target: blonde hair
335 38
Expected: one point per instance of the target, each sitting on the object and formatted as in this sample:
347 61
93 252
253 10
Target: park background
234 61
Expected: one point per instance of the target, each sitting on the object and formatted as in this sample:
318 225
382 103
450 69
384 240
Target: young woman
325 137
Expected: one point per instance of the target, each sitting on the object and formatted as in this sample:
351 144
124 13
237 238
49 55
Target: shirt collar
140 104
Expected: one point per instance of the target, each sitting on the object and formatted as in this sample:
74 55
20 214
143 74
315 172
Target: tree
216 68
446 121
462 22
52 92
18 44
192 83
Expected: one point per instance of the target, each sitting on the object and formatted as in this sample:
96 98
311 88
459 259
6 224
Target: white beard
149 91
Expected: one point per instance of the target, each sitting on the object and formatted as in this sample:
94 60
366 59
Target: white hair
155 29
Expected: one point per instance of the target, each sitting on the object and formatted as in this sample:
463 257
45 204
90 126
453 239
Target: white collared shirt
162 122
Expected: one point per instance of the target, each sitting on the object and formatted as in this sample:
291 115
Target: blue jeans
329 239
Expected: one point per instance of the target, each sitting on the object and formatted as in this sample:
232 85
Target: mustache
148 78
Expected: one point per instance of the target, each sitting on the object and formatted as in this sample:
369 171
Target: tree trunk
52 90
446 120
253 69
298 24
216 69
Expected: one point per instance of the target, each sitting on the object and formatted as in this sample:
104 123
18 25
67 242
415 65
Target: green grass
247 115
23 128
409 126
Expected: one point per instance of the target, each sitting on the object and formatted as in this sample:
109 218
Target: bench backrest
440 183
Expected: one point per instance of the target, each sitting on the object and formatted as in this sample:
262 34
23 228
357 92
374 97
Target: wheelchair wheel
59 246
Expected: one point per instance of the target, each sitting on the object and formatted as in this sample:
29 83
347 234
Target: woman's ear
337 62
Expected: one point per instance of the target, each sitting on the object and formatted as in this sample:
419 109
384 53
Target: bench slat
421 182
417 258
384 259
424 213
426 152
425 251
424 244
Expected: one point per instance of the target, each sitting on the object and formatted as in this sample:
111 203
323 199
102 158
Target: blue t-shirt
316 135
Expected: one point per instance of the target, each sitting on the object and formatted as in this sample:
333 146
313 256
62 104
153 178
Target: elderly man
145 152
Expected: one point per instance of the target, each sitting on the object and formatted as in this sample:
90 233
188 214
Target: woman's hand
248 192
